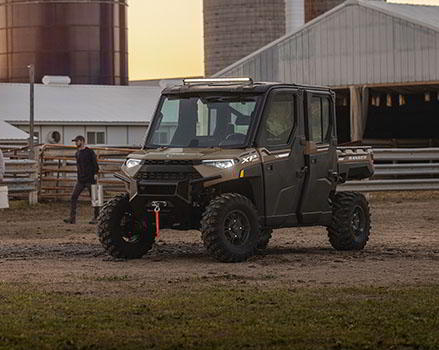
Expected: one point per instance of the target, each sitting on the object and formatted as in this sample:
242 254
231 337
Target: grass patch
223 318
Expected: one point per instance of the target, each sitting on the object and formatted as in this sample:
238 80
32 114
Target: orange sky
166 37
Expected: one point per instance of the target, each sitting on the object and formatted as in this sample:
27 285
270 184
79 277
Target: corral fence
21 173
401 169
58 170
52 174
396 169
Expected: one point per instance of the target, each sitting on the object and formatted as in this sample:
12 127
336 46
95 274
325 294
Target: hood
190 153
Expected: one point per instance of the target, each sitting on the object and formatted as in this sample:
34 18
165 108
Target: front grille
167 172
159 190
167 162
166 176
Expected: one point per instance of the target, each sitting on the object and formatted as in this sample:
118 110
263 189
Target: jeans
79 187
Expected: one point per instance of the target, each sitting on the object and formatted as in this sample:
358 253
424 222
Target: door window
320 114
278 120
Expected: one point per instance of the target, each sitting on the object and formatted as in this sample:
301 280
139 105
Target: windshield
209 121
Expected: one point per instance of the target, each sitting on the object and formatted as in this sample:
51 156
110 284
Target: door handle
270 167
301 173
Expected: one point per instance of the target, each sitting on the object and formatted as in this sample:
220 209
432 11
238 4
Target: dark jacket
87 165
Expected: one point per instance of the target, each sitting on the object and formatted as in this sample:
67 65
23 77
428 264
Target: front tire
230 228
121 233
350 226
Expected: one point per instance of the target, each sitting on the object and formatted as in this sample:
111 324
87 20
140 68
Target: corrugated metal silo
86 40
234 29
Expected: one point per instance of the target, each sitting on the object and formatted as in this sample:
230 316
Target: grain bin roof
356 43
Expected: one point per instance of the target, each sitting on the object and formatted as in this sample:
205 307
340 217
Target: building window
96 137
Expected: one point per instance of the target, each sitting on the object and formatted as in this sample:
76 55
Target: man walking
88 168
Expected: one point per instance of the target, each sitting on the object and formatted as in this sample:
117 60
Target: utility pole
31 69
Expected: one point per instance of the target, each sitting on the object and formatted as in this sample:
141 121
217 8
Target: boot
70 220
94 221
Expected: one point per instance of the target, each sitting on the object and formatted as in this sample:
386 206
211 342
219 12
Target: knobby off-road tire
350 226
120 237
230 228
264 239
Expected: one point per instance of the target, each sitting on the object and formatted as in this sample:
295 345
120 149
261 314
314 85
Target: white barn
111 115
381 58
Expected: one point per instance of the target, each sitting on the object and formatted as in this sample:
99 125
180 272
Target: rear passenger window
278 120
320 125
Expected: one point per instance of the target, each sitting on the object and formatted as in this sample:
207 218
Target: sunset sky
166 37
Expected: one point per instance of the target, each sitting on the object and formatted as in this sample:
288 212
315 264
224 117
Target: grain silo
315 8
84 39
234 29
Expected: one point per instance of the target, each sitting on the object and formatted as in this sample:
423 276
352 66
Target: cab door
320 158
281 150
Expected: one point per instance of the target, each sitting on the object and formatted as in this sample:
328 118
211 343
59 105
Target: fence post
33 195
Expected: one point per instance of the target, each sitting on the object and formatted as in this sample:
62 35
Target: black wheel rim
131 228
358 222
237 227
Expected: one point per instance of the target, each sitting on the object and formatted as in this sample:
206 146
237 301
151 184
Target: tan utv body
236 159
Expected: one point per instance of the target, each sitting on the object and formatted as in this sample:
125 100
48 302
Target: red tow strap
157 221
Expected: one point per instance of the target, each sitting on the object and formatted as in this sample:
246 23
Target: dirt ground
38 248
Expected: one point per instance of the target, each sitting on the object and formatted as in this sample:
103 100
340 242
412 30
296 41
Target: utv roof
230 85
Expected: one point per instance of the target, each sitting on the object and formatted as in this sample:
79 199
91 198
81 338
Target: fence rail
54 174
401 169
58 170
21 178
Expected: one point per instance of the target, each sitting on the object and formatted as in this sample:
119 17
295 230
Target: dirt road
36 247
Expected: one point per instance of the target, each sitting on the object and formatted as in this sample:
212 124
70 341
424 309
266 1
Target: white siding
70 132
136 135
117 135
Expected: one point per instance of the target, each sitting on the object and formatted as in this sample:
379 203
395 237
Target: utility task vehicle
236 159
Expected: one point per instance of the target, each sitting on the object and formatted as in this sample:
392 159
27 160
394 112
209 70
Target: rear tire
350 226
230 228
122 234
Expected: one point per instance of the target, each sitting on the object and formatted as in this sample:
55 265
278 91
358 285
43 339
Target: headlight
131 163
222 164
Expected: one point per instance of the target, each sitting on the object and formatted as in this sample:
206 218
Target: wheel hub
236 227
358 222
132 229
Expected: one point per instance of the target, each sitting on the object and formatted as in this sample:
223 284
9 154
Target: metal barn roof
11 133
422 14
83 104
356 43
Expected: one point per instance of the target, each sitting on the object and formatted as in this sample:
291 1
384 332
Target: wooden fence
58 170
21 174
53 174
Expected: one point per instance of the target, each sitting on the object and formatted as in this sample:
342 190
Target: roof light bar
213 81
